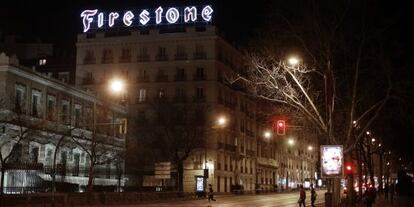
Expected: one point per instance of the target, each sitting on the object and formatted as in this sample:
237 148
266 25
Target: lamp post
220 123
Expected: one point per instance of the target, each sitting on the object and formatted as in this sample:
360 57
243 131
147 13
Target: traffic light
280 127
349 169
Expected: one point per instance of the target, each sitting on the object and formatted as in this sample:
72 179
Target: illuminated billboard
332 161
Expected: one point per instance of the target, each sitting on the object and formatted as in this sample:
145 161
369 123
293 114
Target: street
268 200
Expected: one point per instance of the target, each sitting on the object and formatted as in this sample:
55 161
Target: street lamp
116 86
291 142
310 147
267 134
293 61
221 121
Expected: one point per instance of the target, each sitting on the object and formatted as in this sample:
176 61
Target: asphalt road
268 200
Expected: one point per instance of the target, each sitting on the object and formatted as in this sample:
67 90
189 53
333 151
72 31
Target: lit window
42 61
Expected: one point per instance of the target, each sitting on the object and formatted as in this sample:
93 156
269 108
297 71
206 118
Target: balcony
89 60
199 99
251 153
182 56
231 148
161 58
161 78
180 77
198 77
88 81
143 58
199 55
125 59
142 79
180 99
107 60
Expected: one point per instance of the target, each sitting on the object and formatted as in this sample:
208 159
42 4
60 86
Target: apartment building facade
40 116
184 65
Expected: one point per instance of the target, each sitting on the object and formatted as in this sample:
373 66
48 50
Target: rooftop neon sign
95 19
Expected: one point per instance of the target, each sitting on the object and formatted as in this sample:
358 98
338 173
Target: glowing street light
373 140
293 61
116 86
368 133
267 134
291 142
310 148
221 121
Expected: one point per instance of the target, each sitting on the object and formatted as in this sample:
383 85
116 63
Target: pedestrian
302 196
386 191
313 196
369 196
210 193
392 192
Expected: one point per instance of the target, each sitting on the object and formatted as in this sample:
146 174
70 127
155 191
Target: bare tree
17 129
174 132
328 86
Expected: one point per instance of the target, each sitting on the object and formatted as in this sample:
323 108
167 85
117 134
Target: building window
180 75
143 54
77 114
180 54
125 55
161 93
142 95
88 79
36 96
89 57
51 105
76 161
107 56
65 111
161 55
199 52
42 61
34 154
200 92
20 95
200 74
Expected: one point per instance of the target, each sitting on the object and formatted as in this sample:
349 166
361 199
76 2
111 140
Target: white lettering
206 13
86 15
128 16
144 17
112 17
190 13
172 15
100 20
158 15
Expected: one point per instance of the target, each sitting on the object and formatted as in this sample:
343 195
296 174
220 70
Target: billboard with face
332 161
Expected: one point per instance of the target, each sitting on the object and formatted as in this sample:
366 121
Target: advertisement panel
332 161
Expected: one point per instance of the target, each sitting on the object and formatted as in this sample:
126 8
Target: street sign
332 161
163 170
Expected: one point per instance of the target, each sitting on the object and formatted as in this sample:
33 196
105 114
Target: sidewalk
399 201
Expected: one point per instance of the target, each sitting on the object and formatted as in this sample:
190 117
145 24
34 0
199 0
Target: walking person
313 196
386 191
302 196
392 192
210 193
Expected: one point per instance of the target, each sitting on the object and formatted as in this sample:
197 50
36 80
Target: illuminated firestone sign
95 19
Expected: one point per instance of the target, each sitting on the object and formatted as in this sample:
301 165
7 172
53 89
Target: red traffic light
280 127
349 169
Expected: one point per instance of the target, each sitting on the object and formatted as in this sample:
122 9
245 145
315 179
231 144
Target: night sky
59 21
